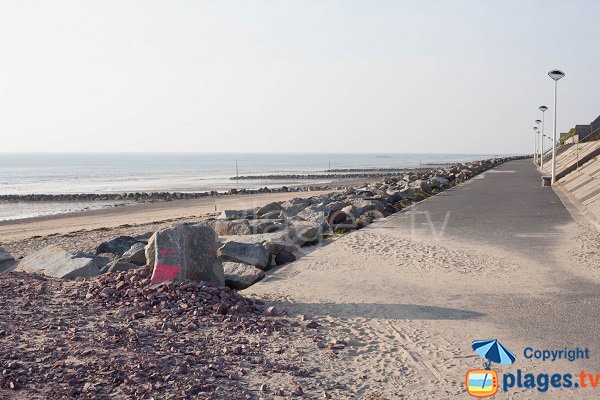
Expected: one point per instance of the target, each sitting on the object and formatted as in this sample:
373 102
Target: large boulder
243 226
135 255
293 210
361 206
319 212
284 257
5 256
119 266
293 206
275 206
239 276
306 232
420 184
185 252
7 261
439 181
273 242
247 253
58 263
116 246
413 194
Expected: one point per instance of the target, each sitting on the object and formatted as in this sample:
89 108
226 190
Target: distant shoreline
33 207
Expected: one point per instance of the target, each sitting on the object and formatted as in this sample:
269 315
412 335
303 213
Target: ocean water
189 172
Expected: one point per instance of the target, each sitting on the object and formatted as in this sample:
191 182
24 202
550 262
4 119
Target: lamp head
556 74
535 128
543 108
538 121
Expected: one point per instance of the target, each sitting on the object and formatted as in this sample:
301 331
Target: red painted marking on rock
164 273
166 252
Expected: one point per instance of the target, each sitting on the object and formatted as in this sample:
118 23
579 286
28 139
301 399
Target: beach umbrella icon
493 351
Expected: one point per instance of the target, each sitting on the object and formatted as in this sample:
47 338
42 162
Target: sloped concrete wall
567 162
583 185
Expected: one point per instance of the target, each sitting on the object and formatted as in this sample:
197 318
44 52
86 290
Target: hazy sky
292 76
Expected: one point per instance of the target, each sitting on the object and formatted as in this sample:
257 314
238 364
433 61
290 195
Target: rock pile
117 336
134 288
145 197
257 240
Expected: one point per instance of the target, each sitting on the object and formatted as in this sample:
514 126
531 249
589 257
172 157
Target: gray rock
306 232
118 266
293 210
56 262
412 194
275 206
350 211
237 214
243 226
150 251
7 261
247 253
420 184
439 181
319 212
361 206
185 252
239 276
5 256
136 254
116 246
273 242
272 215
284 257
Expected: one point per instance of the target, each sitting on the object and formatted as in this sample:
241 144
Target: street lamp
555 74
543 109
536 135
538 121
535 145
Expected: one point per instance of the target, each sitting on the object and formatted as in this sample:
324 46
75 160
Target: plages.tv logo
483 383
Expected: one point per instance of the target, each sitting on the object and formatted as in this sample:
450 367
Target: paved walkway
508 209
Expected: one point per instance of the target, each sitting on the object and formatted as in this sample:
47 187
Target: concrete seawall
583 187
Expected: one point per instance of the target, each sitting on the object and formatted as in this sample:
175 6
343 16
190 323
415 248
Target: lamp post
537 122
535 147
543 109
537 135
555 74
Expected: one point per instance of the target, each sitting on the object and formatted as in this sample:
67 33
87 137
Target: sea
37 173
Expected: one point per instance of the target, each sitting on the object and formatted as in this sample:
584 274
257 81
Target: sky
293 76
